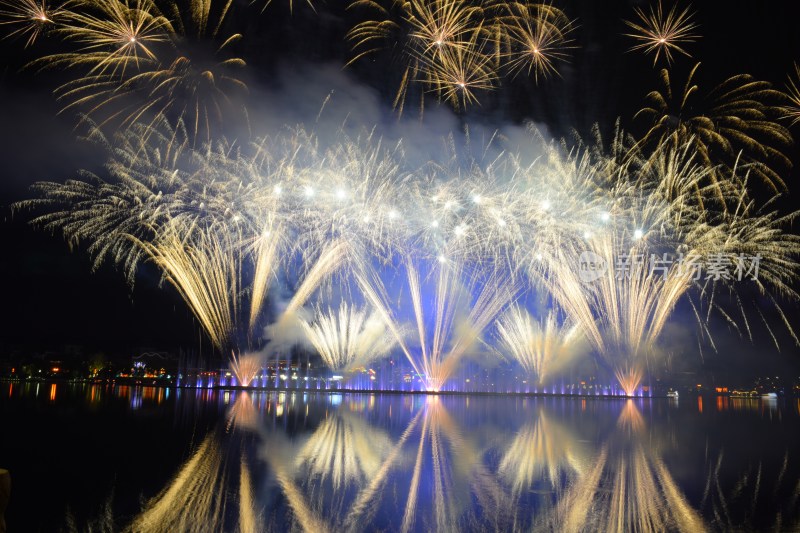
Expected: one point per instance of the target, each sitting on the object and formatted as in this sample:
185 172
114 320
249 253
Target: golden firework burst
663 34
539 37
735 123
791 110
30 19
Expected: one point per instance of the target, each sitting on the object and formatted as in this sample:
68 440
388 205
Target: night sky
52 299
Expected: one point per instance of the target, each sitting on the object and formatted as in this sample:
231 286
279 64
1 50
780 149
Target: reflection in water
627 492
197 498
454 467
243 413
345 449
543 451
359 465
631 421
744 505
350 463
628 489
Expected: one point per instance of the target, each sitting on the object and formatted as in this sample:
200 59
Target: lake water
96 458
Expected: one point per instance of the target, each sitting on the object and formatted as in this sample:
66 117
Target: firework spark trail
331 258
348 338
203 266
371 286
245 367
538 36
449 338
31 18
736 122
791 110
454 48
266 252
135 60
538 346
481 229
662 33
629 378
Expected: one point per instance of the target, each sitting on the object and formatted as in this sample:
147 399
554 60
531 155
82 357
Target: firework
457 73
191 212
204 267
539 36
439 43
450 311
443 248
651 208
348 338
791 111
663 34
738 125
629 379
143 182
441 24
29 19
536 345
245 367
114 38
135 61
454 48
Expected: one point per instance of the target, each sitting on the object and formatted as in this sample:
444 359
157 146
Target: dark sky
51 297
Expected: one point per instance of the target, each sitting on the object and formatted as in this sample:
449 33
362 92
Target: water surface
153 459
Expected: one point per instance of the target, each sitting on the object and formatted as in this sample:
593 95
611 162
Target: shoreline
236 388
